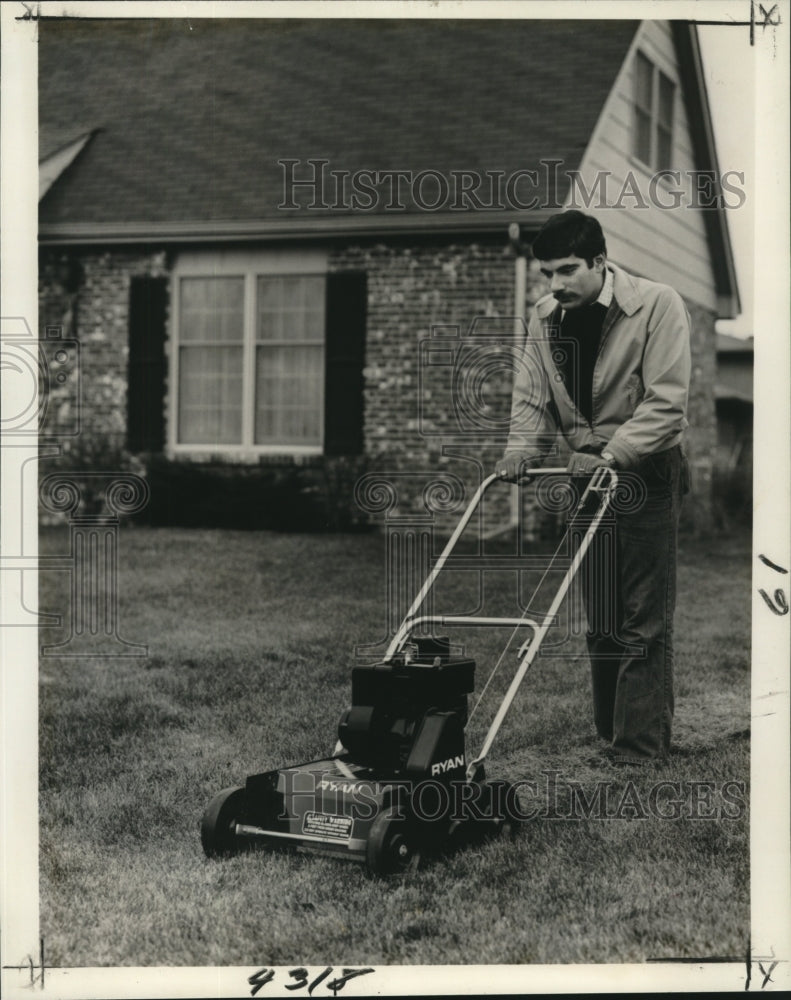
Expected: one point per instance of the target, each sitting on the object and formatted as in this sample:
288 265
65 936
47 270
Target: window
249 356
289 360
211 357
654 99
266 355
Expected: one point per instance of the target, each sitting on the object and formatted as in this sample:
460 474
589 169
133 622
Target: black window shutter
345 355
146 388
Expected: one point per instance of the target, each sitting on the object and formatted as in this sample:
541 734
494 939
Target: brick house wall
411 411
424 302
86 294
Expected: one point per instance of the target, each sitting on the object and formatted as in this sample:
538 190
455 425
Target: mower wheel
218 826
392 846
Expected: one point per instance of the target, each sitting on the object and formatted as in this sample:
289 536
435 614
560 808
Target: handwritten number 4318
264 976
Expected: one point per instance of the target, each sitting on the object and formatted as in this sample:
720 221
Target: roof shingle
193 115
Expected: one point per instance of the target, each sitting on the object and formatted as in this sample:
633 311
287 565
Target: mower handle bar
529 649
411 620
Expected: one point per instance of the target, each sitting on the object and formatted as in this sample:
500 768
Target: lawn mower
399 784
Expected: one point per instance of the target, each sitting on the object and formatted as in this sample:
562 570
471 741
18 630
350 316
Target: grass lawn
251 638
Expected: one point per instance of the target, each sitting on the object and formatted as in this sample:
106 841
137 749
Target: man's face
572 282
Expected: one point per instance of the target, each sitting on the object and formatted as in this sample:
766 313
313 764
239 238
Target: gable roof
52 164
190 117
691 68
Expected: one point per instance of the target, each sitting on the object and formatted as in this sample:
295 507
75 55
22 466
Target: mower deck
338 808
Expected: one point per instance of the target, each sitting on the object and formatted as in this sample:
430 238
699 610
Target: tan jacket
640 380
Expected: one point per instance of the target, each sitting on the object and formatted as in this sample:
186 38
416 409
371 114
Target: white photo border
769 800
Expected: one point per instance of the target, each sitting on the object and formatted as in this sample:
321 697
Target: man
607 365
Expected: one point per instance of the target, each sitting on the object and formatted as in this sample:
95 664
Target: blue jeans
629 587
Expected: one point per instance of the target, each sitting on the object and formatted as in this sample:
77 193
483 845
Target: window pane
211 309
270 294
210 395
314 322
290 307
293 297
642 136
664 150
644 75
666 93
289 394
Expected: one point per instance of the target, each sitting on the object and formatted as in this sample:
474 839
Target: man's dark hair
570 234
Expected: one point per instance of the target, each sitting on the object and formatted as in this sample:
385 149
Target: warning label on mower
323 825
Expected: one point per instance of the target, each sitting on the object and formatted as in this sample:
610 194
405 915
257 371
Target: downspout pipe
521 251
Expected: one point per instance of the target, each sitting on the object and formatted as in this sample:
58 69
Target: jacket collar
625 293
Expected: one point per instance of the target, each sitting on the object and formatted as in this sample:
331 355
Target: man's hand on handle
519 468
583 464
514 468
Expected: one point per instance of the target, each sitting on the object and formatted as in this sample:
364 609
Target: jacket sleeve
661 414
534 422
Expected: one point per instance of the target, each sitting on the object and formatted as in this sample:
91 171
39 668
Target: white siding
667 245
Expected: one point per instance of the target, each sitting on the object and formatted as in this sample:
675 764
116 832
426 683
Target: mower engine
393 788
408 715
